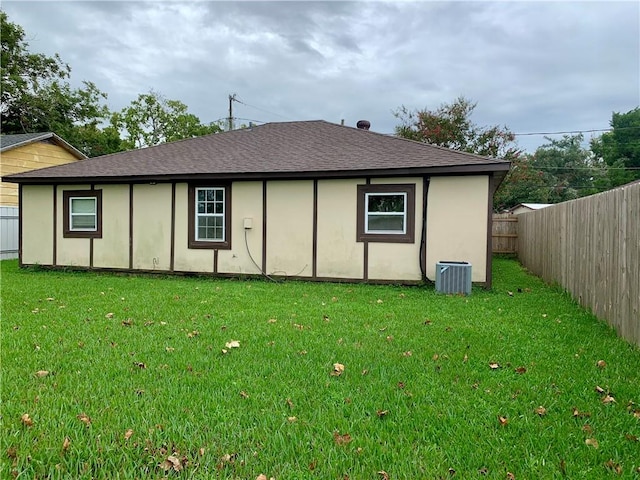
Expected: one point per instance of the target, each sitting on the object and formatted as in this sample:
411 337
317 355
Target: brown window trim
214 245
67 195
409 236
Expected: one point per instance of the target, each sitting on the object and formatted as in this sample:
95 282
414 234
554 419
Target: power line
262 109
577 131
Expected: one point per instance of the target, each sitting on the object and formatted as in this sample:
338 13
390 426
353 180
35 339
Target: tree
523 183
151 119
620 148
37 97
450 126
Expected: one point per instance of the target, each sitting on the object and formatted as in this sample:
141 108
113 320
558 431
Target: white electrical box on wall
248 223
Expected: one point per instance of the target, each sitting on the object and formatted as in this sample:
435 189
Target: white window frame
94 214
210 215
368 214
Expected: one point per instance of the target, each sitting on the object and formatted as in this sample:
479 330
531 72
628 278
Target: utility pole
232 98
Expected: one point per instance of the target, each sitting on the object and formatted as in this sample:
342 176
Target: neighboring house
527 207
29 151
20 153
310 200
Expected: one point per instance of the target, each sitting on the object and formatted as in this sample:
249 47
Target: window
209 216
386 213
82 212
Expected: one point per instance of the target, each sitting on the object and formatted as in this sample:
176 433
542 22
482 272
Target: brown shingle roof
274 150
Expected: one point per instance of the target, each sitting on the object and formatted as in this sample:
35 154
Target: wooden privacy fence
504 233
591 247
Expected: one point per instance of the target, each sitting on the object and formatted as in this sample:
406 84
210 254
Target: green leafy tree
450 126
569 170
151 119
37 97
620 148
524 183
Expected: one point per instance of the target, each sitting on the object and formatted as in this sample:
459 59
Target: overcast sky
530 66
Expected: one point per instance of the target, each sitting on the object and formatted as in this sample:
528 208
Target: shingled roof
307 149
11 141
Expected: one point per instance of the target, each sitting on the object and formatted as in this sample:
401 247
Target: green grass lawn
112 376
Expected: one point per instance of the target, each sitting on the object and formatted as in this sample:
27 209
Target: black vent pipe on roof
363 124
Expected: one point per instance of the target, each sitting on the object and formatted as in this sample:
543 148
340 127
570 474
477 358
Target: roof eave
498 168
45 136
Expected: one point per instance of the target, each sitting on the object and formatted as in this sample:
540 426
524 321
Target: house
310 200
28 151
19 153
527 207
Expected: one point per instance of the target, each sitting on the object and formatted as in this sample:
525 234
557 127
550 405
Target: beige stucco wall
457 223
398 261
70 251
37 230
246 203
112 250
188 259
290 227
338 255
152 226
456 229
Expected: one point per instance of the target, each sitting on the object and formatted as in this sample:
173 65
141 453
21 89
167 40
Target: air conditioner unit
453 277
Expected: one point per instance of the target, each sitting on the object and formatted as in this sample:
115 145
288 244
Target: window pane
210 207
83 205
201 195
83 222
210 195
219 207
220 195
386 203
385 223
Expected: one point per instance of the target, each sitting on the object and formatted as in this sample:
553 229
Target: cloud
532 66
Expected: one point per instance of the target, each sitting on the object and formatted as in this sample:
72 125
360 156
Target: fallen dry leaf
341 439
379 301
631 438
541 411
408 353
608 399
66 444
232 344
611 465
592 442
42 373
382 413
599 389
109 315
84 418
26 420
511 476
483 471
601 364
272 320
384 475
587 428
292 419
338 369
244 394
201 451
172 462
435 357
521 370
503 420
128 434
290 403
577 413
494 365
465 358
